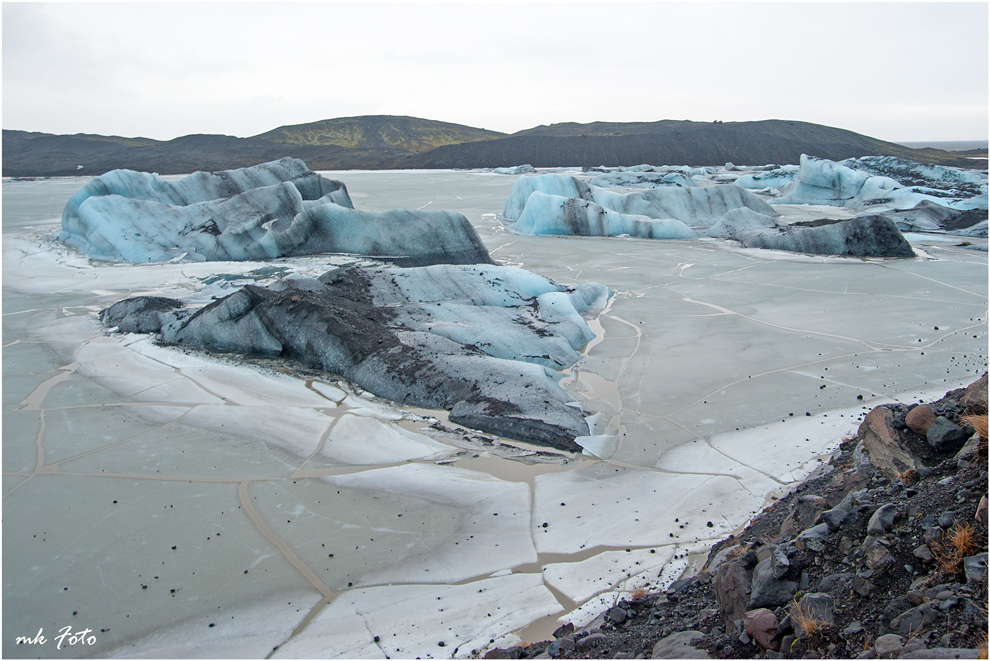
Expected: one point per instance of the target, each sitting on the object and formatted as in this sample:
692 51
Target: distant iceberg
820 181
642 179
516 169
271 210
770 179
555 214
692 206
862 236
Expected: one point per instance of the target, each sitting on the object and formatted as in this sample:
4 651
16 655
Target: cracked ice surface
239 466
423 621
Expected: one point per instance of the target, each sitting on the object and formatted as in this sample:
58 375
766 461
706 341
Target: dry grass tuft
639 593
956 545
806 620
979 423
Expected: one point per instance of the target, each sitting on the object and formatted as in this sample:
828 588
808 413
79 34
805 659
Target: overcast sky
896 71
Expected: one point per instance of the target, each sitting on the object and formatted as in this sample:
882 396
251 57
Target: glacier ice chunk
266 211
820 181
550 184
694 206
554 214
481 341
862 236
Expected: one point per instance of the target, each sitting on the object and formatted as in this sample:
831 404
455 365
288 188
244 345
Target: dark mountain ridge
379 142
669 143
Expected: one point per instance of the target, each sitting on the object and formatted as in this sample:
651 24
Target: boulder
589 641
920 418
975 567
507 653
884 444
804 513
768 591
679 646
839 516
761 626
814 538
946 436
882 520
849 481
732 585
876 555
974 400
912 621
814 611
838 585
888 646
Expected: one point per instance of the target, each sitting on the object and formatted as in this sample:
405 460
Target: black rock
946 436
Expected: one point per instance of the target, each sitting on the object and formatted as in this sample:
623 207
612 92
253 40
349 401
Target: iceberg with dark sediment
482 341
910 173
555 214
550 184
276 209
763 181
642 179
931 217
820 181
515 169
862 236
693 206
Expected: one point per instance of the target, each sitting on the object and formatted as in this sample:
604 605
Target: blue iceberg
820 181
271 210
693 206
555 214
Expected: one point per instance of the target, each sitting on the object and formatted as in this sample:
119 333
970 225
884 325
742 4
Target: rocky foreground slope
884 555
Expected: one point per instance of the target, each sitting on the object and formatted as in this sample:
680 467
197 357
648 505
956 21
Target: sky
913 71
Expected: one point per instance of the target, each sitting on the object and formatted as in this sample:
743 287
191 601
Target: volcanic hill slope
397 142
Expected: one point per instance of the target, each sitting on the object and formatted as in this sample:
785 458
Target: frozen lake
181 504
